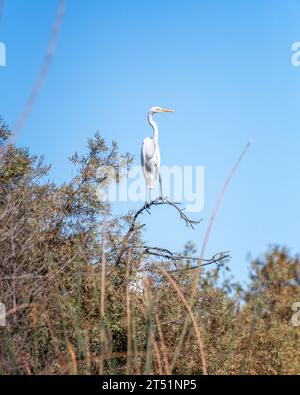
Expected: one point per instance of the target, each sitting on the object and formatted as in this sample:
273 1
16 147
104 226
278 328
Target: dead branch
156 202
164 201
164 253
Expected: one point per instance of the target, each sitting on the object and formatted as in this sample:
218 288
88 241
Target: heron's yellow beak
166 110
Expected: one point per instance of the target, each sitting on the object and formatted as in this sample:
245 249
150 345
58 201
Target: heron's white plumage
150 155
150 159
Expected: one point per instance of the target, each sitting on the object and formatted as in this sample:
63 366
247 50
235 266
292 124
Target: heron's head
155 110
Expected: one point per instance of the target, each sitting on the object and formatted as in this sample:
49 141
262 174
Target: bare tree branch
164 201
163 253
156 202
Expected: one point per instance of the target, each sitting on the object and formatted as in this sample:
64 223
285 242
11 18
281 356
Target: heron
150 154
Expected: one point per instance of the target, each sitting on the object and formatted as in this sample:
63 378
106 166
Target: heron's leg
160 186
146 197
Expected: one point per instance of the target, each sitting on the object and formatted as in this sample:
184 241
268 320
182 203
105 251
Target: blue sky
225 67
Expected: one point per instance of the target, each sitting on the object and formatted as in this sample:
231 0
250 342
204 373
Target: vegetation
75 305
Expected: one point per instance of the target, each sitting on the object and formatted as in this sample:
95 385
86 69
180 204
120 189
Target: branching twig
164 201
161 252
156 202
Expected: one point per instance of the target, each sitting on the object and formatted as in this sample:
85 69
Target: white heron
150 155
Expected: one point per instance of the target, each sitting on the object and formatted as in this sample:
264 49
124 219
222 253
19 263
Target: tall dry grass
77 306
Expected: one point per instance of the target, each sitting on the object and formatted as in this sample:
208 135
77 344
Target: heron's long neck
153 124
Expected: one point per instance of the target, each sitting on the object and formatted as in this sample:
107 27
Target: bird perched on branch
150 155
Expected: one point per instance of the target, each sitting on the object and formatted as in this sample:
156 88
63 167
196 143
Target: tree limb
163 253
156 202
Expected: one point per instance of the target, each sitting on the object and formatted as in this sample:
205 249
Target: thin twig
220 197
1 8
128 316
161 252
44 69
198 270
103 290
163 345
192 317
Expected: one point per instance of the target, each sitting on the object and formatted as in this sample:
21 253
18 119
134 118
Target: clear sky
224 66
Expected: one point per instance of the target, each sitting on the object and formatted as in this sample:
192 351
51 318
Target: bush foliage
75 306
